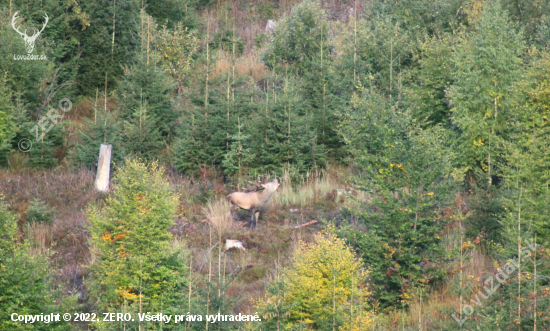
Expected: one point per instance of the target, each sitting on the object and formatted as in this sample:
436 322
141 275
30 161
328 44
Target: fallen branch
305 224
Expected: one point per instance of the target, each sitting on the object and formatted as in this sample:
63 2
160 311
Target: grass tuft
218 214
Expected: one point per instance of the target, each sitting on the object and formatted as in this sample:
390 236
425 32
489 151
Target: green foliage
7 123
530 15
276 129
299 38
39 212
205 134
104 129
525 170
407 170
487 62
100 60
432 75
24 79
383 50
137 263
25 281
324 288
238 155
301 45
419 92
421 17
177 47
45 138
283 132
148 90
174 12
542 36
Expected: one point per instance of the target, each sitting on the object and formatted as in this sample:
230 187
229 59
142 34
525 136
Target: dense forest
411 140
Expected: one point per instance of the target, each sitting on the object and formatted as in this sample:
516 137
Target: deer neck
264 195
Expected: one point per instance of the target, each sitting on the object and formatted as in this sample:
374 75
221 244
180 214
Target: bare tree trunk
209 281
105 109
354 41
114 16
519 261
535 289
207 69
95 104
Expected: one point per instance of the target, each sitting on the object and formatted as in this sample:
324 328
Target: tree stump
103 168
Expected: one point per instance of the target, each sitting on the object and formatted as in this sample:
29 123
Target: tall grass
249 64
314 184
218 214
17 161
39 235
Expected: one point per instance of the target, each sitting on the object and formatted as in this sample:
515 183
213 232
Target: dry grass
247 64
432 312
218 214
314 185
17 161
250 64
39 236
269 247
68 193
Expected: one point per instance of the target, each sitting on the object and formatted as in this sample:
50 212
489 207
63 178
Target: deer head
29 40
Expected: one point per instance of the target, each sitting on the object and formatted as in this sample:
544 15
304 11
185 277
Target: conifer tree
408 170
138 267
487 62
147 87
317 288
429 80
239 155
106 129
283 132
142 138
299 39
7 123
106 42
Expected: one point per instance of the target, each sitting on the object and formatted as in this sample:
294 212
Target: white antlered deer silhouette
29 40
253 200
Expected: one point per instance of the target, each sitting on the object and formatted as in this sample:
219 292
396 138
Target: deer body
253 200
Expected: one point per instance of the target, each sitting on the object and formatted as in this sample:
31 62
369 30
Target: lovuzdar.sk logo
29 40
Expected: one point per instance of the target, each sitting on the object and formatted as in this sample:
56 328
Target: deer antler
43 27
13 25
45 23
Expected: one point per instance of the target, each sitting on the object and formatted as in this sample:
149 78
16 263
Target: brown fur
253 200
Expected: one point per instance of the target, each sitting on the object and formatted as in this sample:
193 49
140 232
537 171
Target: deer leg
252 212
232 211
257 214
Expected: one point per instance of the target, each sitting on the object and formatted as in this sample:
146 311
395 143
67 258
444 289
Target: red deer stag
253 200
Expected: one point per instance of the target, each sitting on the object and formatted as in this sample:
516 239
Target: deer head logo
29 40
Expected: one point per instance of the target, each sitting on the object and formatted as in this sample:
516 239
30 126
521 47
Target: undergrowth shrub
26 281
39 212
